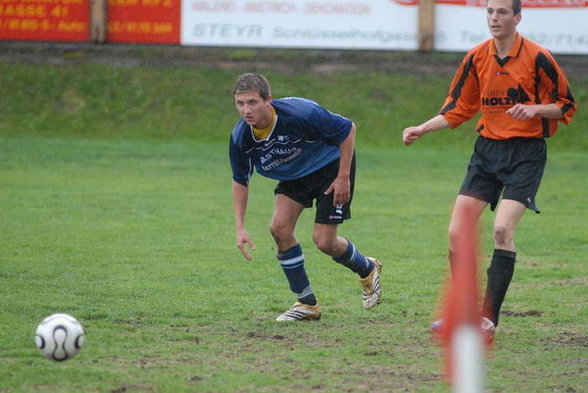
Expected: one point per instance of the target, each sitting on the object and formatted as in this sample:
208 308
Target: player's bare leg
463 203
508 216
473 208
291 258
343 251
283 223
326 239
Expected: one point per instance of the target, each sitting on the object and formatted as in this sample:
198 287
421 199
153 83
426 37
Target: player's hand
411 134
523 112
244 243
341 189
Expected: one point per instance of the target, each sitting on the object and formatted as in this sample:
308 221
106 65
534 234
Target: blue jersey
305 138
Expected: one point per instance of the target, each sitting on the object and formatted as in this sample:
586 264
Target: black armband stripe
456 92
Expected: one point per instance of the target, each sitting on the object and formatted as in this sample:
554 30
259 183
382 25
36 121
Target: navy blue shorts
512 168
313 186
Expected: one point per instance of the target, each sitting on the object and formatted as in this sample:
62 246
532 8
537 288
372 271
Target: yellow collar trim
263 133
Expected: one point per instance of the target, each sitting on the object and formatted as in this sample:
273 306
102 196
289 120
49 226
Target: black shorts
313 186
511 167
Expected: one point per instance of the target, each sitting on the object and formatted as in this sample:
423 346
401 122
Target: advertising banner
559 25
350 24
44 20
144 21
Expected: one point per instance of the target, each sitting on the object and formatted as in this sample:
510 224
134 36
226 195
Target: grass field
121 216
135 238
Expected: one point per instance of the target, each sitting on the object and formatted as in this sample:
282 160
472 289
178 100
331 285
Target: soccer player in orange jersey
522 94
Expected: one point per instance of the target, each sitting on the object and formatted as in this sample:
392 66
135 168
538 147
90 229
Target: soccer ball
59 337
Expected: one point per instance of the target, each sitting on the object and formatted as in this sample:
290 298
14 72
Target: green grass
115 207
135 238
188 103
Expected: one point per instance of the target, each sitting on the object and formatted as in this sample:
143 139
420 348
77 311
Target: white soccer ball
59 337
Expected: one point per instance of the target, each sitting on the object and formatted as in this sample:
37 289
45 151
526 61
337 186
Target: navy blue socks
356 262
292 262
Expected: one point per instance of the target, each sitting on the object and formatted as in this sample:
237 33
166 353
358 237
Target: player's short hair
252 82
517 5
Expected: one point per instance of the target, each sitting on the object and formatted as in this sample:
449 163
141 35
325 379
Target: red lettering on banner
337 8
280 7
213 6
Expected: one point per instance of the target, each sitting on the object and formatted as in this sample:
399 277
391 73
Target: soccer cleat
487 328
436 326
299 312
372 293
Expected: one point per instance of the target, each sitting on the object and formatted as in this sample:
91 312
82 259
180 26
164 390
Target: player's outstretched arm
411 134
240 196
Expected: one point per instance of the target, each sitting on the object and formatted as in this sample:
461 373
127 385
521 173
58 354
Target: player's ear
518 18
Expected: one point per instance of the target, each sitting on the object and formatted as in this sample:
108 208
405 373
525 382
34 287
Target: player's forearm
347 148
549 111
434 124
240 196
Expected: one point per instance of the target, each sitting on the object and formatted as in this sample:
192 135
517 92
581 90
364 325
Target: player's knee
503 236
452 234
324 244
326 248
279 232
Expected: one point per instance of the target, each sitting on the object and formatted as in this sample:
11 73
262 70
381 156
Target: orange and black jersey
528 75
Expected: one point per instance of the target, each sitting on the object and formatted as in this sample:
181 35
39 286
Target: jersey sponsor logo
511 96
284 152
277 157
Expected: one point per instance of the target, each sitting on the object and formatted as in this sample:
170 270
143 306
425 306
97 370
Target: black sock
500 275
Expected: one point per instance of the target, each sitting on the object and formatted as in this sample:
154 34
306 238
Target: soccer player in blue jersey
311 153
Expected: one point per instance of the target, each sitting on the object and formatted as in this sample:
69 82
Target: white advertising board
559 25
336 24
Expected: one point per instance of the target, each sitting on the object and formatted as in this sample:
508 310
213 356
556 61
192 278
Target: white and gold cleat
300 312
372 292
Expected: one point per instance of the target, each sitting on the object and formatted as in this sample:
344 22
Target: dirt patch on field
530 313
576 339
256 59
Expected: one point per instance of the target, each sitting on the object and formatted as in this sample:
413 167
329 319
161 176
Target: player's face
253 109
502 21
